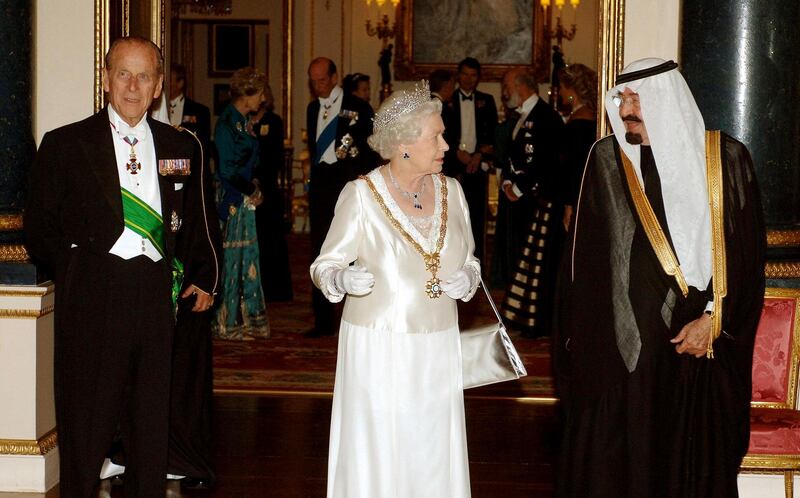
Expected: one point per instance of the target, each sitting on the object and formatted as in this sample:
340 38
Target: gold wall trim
773 463
610 54
288 67
101 43
13 253
41 446
26 313
788 269
10 222
783 238
36 292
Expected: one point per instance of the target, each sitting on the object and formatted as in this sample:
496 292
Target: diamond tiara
404 102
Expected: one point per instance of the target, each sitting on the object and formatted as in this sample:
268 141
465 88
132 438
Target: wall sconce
559 33
382 30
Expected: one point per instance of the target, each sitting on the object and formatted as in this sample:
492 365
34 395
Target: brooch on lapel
351 115
529 148
528 125
174 168
263 130
190 119
239 127
346 148
174 222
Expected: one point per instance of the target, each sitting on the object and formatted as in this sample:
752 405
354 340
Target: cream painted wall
652 29
63 59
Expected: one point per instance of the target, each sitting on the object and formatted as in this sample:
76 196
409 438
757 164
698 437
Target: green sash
142 219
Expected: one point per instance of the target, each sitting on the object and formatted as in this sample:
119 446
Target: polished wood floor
276 447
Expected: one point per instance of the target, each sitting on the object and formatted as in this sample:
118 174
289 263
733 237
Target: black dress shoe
318 332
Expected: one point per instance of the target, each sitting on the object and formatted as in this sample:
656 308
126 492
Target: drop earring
405 155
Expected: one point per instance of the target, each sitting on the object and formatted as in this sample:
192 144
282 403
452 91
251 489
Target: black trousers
474 185
112 353
327 182
190 423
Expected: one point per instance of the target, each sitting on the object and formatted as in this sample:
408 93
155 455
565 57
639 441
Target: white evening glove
355 280
459 284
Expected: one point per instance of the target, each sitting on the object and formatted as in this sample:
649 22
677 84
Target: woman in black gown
578 89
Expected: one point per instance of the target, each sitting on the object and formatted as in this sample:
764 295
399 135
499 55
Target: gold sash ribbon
658 240
655 234
719 274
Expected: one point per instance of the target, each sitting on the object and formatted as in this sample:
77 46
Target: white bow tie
139 132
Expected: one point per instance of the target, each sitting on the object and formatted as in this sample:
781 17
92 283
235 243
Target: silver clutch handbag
487 353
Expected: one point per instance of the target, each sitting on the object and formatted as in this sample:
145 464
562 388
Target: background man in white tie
338 126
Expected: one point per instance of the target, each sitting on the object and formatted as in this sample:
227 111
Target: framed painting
230 46
501 34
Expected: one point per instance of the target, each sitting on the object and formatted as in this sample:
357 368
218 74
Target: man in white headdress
659 301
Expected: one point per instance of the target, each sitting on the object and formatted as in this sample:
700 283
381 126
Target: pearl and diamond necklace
413 197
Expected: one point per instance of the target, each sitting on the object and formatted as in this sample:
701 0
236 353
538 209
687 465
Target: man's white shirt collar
140 131
529 103
330 99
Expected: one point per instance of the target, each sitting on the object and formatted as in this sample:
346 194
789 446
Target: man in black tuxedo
530 184
338 126
184 111
470 120
115 233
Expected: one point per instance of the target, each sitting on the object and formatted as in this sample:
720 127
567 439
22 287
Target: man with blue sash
338 126
120 211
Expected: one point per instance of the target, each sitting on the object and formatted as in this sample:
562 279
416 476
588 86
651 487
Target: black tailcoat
197 118
534 152
114 317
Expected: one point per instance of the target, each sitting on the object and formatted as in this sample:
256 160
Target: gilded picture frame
516 45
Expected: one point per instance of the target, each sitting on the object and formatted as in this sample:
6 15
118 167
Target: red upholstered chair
775 414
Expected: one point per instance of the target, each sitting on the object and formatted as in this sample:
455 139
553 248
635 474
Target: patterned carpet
289 363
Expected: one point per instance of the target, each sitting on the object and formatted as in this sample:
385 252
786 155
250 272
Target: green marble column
16 139
741 60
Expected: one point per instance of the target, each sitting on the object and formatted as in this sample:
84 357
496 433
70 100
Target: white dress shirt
176 110
332 104
468 139
524 110
143 185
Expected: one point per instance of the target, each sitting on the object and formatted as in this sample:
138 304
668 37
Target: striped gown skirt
528 302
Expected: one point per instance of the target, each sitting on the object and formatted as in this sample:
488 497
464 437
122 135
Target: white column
28 440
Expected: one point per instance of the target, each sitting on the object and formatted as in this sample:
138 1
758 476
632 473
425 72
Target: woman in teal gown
242 313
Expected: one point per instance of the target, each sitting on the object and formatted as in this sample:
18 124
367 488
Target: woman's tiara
402 102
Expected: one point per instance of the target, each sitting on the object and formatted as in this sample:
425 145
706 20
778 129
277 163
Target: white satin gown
397 425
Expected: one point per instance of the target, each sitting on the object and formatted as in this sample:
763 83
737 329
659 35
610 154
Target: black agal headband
644 73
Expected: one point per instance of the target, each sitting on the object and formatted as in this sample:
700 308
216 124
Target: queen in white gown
397 426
